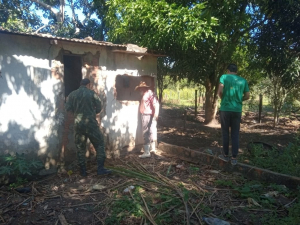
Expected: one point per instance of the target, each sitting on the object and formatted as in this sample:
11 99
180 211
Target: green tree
21 15
200 37
163 68
278 57
16 15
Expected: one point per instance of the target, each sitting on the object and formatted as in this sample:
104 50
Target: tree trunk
160 94
210 103
275 116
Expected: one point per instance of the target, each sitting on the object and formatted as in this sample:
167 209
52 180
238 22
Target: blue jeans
233 120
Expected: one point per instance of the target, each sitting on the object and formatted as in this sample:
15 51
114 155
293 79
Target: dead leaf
271 194
62 219
45 207
181 167
70 210
52 213
98 187
251 201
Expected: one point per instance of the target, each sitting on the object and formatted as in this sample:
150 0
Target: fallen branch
147 208
88 203
2 219
22 202
173 207
144 211
99 218
149 189
62 219
197 206
54 196
144 169
285 206
195 213
168 181
120 185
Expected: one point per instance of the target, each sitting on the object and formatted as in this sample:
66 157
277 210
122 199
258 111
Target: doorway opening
72 73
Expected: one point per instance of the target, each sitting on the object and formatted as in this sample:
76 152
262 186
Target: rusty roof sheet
49 36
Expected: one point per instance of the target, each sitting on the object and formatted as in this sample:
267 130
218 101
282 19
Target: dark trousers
147 127
232 120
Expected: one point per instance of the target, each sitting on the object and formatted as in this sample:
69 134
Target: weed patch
18 166
285 161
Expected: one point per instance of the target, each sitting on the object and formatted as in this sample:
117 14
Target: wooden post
195 103
260 107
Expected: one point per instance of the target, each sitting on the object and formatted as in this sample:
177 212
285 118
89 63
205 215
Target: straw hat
141 85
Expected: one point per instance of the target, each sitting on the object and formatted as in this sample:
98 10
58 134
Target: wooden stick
197 205
289 203
98 218
168 210
62 219
144 211
22 202
54 196
149 189
195 213
145 170
88 203
2 219
147 207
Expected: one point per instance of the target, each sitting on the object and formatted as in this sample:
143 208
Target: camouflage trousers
93 133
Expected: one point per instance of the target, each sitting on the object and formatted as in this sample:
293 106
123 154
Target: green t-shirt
233 92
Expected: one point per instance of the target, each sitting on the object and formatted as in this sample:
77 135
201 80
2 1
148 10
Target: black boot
83 171
101 170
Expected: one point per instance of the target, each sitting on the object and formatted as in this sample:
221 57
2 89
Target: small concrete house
38 72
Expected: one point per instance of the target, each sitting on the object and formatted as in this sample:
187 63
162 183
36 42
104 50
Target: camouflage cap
85 81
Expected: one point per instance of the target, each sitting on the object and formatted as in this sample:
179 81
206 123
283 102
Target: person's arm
246 92
69 104
246 96
220 90
156 108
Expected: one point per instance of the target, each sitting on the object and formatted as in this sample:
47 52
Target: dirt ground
177 193
197 135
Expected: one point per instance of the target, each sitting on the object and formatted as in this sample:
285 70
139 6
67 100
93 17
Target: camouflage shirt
85 104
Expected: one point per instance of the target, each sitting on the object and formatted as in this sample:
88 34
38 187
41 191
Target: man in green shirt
85 104
233 90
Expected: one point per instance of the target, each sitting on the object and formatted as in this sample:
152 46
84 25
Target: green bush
17 165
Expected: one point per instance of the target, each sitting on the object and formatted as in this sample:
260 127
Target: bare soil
194 134
70 199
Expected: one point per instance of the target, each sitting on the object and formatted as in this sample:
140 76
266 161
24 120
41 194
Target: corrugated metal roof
49 36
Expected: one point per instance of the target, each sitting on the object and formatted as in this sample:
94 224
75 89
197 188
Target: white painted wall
29 115
28 93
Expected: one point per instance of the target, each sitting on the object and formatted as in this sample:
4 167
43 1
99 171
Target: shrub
285 161
17 165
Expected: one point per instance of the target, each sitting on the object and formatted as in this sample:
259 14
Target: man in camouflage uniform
85 104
